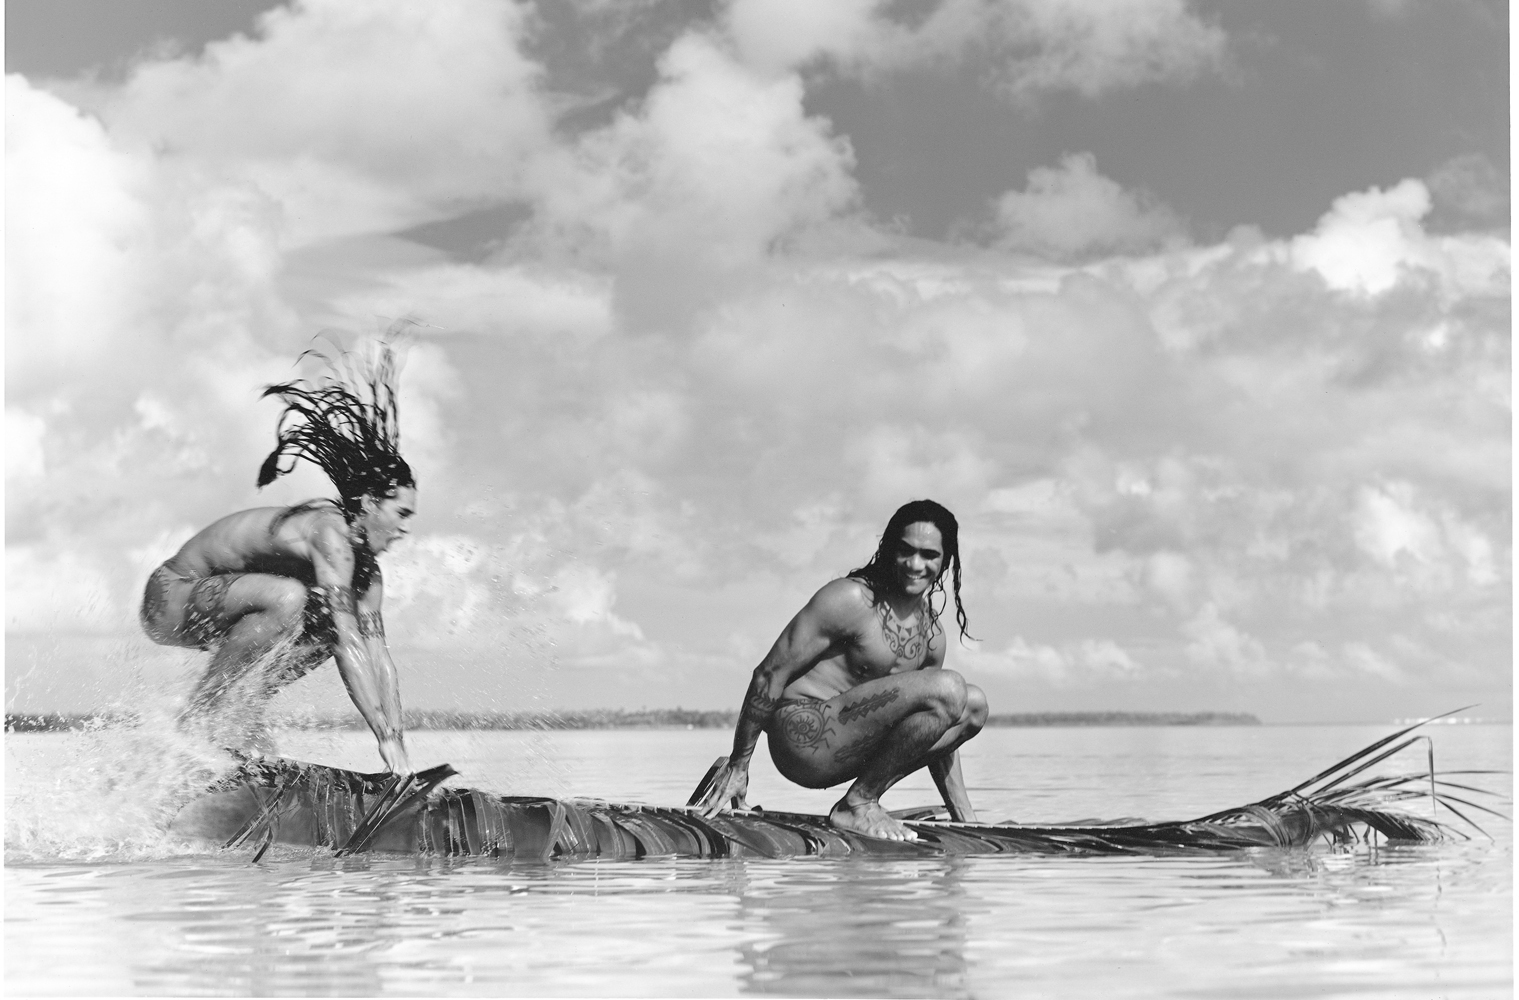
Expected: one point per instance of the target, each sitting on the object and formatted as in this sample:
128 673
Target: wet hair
880 572
331 423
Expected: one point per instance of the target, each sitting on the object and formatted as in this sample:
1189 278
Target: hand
729 785
393 752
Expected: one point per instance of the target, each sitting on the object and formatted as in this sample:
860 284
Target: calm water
97 902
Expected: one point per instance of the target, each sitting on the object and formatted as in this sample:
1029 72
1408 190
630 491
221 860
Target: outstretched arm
363 658
815 630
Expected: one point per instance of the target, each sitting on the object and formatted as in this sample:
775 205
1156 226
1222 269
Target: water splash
110 790
105 793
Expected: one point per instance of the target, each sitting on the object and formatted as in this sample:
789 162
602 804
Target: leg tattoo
868 705
206 620
804 725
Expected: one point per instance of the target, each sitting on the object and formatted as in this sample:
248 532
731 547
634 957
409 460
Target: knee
287 605
949 694
975 707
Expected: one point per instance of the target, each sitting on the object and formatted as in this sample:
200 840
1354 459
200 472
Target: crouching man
855 688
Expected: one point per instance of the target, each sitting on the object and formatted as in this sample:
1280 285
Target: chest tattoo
906 642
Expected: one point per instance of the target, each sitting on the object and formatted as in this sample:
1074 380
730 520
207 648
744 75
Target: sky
1196 314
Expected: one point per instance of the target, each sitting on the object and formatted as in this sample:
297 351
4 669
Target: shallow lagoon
98 902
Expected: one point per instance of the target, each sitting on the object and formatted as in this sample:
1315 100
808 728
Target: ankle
855 800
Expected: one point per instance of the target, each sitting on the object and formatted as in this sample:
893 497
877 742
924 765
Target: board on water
270 800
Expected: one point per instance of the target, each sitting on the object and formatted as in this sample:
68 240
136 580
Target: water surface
99 901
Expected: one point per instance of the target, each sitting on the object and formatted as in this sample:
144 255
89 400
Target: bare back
867 640
271 540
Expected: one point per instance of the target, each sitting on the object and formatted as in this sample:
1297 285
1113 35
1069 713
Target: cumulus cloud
1073 210
351 117
659 418
1472 188
1063 666
1028 46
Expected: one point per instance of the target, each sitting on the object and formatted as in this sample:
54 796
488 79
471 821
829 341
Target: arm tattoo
760 703
868 705
340 598
371 625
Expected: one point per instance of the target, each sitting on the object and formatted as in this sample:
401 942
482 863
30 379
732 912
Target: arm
363 658
946 772
815 630
946 768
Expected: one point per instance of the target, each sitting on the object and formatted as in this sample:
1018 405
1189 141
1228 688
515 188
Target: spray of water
110 790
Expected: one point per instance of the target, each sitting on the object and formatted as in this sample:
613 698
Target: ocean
99 900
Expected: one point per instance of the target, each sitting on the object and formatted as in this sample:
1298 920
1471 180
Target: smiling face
384 520
919 558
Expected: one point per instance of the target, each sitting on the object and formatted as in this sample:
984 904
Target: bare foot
870 820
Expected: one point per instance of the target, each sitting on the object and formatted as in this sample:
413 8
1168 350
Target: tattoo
760 703
370 624
804 724
208 595
853 753
155 599
870 704
905 641
341 599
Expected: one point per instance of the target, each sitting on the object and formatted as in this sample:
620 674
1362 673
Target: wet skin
854 689
242 587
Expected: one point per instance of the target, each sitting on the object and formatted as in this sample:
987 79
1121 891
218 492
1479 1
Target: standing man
854 687
274 591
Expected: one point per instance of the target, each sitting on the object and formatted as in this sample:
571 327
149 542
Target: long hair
880 571
331 423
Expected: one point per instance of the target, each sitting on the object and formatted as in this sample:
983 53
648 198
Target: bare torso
873 641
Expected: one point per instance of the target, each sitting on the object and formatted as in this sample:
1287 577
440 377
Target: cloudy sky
1197 314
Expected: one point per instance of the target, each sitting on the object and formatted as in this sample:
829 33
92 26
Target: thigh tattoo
804 724
208 595
853 753
207 607
869 704
155 599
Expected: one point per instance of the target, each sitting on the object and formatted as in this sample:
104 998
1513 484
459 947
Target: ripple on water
1434 920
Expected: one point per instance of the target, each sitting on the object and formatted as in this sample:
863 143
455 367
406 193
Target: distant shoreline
664 718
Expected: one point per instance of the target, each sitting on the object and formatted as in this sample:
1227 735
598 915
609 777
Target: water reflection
875 929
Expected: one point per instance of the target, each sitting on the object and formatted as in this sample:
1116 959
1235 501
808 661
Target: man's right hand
729 785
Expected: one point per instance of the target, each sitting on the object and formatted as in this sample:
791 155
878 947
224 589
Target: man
274 591
854 687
